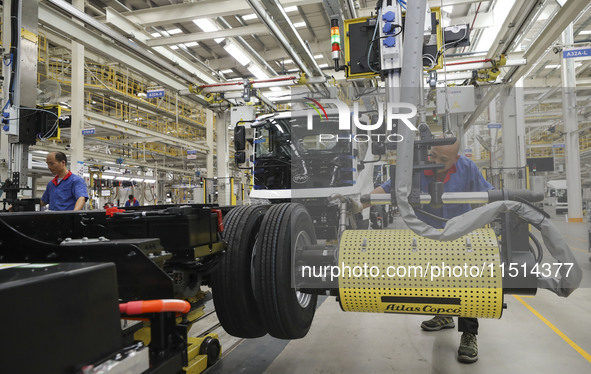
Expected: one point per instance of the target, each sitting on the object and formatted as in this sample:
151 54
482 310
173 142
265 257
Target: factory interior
295 186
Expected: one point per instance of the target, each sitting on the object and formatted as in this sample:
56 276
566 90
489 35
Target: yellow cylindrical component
397 271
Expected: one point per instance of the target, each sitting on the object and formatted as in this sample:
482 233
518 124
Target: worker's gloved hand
354 205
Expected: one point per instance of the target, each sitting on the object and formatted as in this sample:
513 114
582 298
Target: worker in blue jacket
460 174
132 201
66 191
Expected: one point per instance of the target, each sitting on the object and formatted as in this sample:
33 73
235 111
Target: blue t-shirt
464 176
135 203
63 195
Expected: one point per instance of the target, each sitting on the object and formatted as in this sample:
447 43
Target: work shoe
437 323
468 351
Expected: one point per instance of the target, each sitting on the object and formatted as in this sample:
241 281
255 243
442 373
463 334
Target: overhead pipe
478 64
256 83
307 64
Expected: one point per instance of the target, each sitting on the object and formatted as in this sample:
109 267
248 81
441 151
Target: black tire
283 314
231 283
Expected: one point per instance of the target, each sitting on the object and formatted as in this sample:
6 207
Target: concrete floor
553 337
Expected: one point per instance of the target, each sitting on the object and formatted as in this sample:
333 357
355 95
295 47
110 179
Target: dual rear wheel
252 287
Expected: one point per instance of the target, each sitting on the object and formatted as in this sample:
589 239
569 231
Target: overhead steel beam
59 40
200 36
272 54
567 14
250 51
482 21
116 20
101 45
187 12
91 155
127 128
271 13
521 14
437 3
135 139
540 99
139 52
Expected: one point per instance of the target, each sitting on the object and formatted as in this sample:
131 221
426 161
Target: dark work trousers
468 325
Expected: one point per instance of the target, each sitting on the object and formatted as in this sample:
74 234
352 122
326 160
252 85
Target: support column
476 147
77 103
520 120
513 136
209 124
222 151
494 135
4 145
571 127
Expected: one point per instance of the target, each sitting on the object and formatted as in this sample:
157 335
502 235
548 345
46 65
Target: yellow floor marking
581 351
576 238
579 249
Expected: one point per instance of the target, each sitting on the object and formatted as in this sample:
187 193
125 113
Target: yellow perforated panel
397 271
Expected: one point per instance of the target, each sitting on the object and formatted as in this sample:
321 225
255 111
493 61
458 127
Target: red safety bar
220 219
154 306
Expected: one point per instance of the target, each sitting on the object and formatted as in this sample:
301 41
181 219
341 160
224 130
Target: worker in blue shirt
132 201
66 191
460 174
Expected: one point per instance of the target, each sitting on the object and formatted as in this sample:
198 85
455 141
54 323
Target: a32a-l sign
577 52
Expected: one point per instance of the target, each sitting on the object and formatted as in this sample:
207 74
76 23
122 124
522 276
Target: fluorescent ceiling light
206 25
175 31
165 33
137 179
191 44
150 180
500 13
108 176
318 56
448 9
238 55
227 71
293 70
275 89
552 66
585 32
289 61
122 178
174 47
297 25
545 14
290 9
323 65
247 17
257 72
155 34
